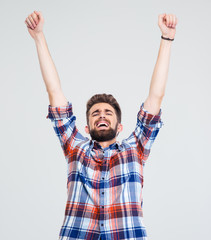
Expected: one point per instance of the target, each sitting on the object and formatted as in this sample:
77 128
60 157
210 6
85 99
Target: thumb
161 18
39 15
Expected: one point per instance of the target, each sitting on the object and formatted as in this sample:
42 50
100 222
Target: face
103 125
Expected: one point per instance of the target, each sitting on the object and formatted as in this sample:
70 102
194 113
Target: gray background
105 46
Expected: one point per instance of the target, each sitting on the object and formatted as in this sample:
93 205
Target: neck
107 143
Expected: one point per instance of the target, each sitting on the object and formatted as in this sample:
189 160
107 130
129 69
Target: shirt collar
95 145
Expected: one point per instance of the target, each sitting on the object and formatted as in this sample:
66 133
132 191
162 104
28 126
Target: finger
28 26
170 20
32 21
29 23
167 20
35 17
174 21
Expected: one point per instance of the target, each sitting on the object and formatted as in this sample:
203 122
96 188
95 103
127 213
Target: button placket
102 191
102 201
101 155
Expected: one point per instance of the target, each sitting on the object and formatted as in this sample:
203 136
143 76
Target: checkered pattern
104 186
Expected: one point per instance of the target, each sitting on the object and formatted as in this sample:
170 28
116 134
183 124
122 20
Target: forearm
48 69
160 73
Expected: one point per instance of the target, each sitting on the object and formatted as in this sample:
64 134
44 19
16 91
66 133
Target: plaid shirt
104 186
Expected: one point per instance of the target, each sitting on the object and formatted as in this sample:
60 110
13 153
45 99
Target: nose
102 114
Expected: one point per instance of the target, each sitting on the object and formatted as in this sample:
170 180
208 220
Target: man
105 178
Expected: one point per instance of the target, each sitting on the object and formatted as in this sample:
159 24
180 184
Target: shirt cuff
148 118
57 113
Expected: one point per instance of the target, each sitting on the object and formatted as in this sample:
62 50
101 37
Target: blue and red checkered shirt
104 185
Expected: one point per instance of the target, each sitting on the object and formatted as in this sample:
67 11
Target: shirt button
101 224
102 177
102 206
102 192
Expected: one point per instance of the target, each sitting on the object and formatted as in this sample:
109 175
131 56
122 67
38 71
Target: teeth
102 124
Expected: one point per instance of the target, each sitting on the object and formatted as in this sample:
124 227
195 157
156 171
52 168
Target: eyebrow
106 110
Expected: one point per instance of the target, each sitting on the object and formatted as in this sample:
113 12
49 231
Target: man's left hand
167 24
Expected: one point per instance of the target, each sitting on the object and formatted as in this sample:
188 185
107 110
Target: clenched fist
167 24
34 23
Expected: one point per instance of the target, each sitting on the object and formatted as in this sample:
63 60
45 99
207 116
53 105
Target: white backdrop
105 46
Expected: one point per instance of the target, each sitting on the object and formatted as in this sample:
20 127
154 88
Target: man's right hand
34 23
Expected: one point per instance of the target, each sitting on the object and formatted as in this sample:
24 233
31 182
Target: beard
104 135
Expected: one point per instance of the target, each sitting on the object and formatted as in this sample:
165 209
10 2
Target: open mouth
102 125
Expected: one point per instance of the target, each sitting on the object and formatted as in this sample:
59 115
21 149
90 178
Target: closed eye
95 113
108 112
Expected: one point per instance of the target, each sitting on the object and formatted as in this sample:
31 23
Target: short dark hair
106 98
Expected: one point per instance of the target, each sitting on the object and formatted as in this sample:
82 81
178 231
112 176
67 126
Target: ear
87 129
120 127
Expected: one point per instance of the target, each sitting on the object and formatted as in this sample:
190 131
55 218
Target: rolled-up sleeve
57 113
148 119
63 122
146 131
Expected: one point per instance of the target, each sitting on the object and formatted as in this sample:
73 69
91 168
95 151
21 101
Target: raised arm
34 23
167 24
